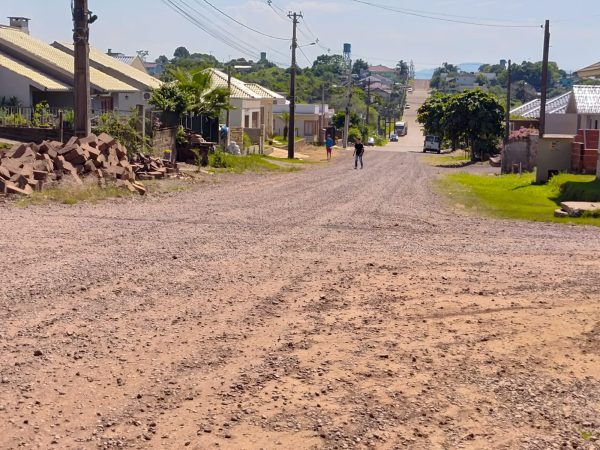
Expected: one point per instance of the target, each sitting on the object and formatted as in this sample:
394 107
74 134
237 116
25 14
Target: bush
220 159
354 133
124 131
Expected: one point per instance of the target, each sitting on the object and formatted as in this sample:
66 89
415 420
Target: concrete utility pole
508 96
544 79
292 128
322 133
368 99
228 117
348 59
81 84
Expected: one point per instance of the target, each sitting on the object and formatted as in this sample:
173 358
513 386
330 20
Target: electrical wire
242 24
442 19
196 18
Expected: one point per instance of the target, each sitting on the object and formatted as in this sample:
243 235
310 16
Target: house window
246 121
310 128
255 119
596 127
106 104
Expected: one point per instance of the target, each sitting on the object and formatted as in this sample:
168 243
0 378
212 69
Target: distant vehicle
410 89
394 138
432 144
371 141
407 107
401 128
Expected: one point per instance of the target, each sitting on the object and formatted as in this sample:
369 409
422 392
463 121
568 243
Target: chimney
20 23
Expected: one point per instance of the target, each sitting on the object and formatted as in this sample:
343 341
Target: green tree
171 98
431 115
360 66
334 64
181 52
198 86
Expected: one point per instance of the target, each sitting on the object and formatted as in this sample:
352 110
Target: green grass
5 146
291 161
250 163
456 159
517 197
91 192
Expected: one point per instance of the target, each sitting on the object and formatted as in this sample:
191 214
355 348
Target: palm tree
285 116
204 98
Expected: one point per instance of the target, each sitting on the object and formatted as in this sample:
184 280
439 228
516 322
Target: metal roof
239 89
128 74
587 99
555 105
124 59
264 92
46 56
37 79
589 71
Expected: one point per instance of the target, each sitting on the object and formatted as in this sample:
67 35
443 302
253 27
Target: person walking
359 151
328 146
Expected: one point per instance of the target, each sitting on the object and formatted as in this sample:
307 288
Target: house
155 69
141 80
589 71
252 104
310 120
585 103
33 71
383 71
531 110
133 61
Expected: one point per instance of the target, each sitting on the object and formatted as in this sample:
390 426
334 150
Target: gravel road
327 308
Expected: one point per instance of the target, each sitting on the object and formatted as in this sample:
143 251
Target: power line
242 24
196 18
442 19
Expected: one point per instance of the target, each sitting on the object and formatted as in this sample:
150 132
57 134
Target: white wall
14 85
561 124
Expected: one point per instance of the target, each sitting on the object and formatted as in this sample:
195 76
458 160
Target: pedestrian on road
359 151
328 146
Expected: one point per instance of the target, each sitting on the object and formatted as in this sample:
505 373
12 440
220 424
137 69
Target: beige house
33 71
252 104
134 61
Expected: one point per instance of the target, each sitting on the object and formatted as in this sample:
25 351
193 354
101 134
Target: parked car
432 144
407 107
394 137
410 89
371 141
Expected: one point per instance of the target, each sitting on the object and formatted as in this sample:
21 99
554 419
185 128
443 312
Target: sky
377 35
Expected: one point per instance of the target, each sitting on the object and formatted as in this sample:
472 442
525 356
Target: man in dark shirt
359 151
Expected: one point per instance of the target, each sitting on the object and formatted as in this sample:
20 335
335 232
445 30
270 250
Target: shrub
123 130
220 159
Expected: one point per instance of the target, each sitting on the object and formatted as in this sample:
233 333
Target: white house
585 102
32 71
252 104
310 120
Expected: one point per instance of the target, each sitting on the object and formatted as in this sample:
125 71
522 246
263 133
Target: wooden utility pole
322 133
292 129
228 117
81 84
508 96
544 79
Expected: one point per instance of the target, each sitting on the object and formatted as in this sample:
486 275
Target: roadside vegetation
458 158
219 161
518 197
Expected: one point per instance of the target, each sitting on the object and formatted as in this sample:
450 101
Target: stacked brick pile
26 168
584 156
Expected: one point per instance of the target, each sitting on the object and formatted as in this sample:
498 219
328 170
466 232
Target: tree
170 97
198 86
285 116
431 115
360 66
334 64
162 59
339 119
402 70
477 117
181 52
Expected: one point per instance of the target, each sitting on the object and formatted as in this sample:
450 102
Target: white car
371 141
407 107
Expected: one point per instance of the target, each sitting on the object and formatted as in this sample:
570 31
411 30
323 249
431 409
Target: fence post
61 127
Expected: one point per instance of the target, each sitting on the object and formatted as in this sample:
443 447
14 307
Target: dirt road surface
413 140
327 308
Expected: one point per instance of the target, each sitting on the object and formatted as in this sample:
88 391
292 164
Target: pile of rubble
26 168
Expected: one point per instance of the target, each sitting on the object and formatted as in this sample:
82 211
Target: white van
432 144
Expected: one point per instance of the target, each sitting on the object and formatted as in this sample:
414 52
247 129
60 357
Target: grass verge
517 197
456 159
224 162
91 192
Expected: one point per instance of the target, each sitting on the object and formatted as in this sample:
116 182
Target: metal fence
38 117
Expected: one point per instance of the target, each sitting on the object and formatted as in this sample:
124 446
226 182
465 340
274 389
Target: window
255 119
246 121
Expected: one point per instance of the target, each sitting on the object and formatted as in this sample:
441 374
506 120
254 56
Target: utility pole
81 82
227 117
508 96
348 60
322 133
292 129
544 79
368 99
